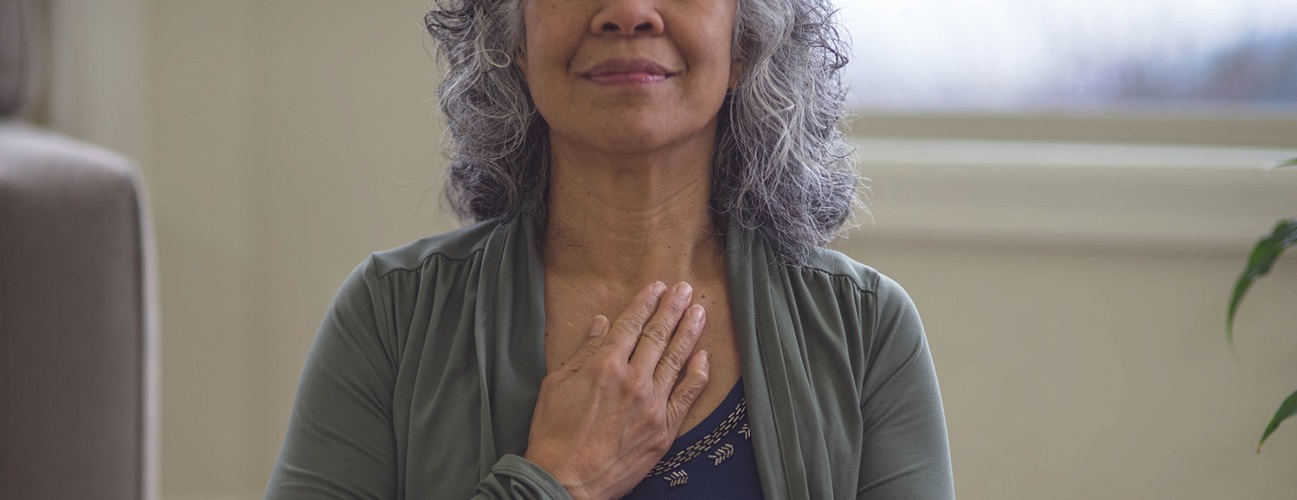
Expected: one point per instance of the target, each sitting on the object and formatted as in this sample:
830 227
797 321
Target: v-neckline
519 366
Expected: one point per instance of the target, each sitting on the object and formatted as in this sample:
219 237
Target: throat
631 220
632 248
621 264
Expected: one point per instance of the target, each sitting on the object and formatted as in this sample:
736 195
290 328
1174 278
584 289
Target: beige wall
284 140
1092 374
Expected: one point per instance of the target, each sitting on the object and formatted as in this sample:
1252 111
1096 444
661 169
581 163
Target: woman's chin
642 137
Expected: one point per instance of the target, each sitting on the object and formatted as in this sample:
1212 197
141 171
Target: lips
627 71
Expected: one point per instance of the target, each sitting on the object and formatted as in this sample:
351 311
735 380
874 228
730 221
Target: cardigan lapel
509 331
755 304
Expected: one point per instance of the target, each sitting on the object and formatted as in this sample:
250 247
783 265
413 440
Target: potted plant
1259 263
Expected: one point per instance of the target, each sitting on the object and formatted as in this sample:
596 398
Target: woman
602 145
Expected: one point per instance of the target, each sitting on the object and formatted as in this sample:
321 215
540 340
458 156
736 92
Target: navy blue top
713 460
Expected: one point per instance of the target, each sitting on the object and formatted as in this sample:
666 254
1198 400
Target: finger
626 330
684 395
682 344
661 327
594 337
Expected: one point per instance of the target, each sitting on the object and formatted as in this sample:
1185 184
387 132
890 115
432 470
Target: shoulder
390 289
864 299
863 278
402 271
460 245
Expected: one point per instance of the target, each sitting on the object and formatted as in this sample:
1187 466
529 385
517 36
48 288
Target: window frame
1224 127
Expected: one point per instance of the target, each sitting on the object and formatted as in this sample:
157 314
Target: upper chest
570 312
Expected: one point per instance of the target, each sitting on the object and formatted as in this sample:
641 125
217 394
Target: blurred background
1067 188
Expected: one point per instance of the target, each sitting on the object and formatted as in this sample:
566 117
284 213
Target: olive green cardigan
421 381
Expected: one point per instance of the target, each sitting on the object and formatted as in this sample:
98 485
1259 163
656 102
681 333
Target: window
1206 72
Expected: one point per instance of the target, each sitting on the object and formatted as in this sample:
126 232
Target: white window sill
1162 198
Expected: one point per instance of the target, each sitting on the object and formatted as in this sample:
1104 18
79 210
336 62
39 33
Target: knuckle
674 358
677 307
625 326
608 367
657 420
703 377
692 328
662 444
631 386
677 410
647 389
642 311
657 331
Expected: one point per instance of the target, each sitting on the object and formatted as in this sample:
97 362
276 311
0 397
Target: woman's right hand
605 418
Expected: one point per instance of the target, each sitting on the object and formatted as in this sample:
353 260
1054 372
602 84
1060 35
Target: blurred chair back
78 350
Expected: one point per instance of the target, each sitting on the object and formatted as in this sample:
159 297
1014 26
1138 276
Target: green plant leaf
1291 162
1287 409
1258 264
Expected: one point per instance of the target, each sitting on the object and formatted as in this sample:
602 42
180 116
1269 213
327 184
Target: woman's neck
629 221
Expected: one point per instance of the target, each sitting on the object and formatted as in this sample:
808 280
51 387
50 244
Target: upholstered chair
78 348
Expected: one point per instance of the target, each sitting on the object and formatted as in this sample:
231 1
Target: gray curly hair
780 167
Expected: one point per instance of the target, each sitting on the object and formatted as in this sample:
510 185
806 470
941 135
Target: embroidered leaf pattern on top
702 445
722 453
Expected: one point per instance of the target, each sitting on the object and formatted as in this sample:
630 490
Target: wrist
575 487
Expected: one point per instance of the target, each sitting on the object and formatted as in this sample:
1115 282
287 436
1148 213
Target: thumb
683 396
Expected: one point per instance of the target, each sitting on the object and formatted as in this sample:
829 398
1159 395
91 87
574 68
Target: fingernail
683 289
659 288
704 358
599 322
696 312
